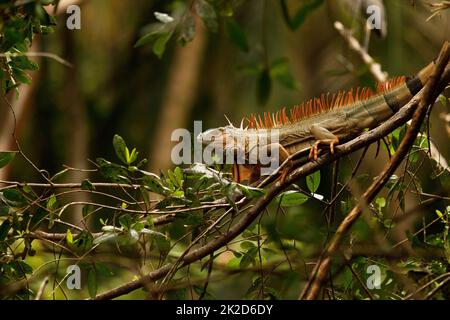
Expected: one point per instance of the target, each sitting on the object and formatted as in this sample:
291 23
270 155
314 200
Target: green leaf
146 39
125 221
248 258
87 185
14 198
160 44
4 229
194 218
179 176
153 185
440 215
235 34
206 11
251 192
21 76
87 210
381 203
178 194
132 157
59 174
52 203
255 287
313 181
103 270
25 268
92 282
444 100
112 171
178 294
4 210
69 237
292 198
22 62
6 157
264 86
138 226
120 147
247 245
163 244
281 71
154 32
234 262
307 7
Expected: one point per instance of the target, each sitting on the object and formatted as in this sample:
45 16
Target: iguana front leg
283 155
322 136
252 172
242 172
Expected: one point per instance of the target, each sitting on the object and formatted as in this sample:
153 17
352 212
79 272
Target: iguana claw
315 151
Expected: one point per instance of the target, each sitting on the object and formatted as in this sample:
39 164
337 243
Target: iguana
320 121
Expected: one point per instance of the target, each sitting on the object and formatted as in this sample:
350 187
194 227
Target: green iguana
320 121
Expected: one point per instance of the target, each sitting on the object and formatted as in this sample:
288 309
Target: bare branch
374 67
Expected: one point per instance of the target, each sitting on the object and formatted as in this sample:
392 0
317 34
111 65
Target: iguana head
222 137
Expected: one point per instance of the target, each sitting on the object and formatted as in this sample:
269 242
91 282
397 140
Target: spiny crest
319 105
391 84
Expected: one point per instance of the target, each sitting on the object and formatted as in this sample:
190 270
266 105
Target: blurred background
258 59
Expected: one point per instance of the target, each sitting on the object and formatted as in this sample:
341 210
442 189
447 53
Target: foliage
20 21
214 13
137 221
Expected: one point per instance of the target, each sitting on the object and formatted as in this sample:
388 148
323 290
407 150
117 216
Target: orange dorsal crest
316 106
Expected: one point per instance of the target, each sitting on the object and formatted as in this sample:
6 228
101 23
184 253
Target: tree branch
427 97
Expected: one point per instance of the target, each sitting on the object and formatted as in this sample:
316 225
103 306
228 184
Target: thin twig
374 67
14 184
39 54
42 288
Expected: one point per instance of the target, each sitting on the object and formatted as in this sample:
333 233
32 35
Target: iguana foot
315 151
